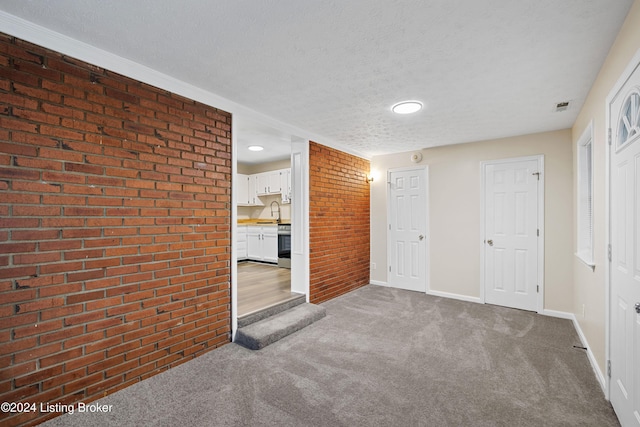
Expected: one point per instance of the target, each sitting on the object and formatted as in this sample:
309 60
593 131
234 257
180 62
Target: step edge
293 311
270 310
249 341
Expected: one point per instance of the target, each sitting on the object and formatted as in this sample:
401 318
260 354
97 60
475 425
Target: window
585 196
629 126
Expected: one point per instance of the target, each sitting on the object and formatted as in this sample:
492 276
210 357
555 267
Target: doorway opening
267 222
263 203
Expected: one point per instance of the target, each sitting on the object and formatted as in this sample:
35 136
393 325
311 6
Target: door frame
300 267
624 76
427 252
541 240
300 188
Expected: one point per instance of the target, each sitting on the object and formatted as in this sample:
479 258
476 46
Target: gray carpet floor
381 357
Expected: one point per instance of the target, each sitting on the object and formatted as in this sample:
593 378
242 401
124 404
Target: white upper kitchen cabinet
285 179
242 188
275 182
254 200
251 187
268 183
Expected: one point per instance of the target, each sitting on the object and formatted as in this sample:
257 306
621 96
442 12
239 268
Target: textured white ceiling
276 143
484 68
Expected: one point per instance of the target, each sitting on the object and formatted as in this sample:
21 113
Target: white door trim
300 270
426 221
631 66
540 159
234 227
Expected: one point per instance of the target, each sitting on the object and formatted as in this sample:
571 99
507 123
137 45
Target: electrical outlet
373 265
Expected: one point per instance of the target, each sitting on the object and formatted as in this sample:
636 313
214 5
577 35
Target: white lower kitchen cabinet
270 243
254 243
262 243
242 243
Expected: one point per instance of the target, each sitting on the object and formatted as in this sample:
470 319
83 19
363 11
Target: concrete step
267 331
272 310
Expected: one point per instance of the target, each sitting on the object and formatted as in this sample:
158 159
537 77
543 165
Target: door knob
421 237
638 307
490 242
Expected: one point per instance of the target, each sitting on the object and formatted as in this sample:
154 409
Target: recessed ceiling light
255 148
407 107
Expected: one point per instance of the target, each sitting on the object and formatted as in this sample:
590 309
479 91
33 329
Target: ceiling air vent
562 106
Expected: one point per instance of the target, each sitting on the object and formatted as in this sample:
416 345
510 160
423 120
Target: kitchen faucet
277 204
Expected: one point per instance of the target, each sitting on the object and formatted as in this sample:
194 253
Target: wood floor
261 286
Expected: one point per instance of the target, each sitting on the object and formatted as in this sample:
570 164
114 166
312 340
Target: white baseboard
454 296
558 314
583 339
435 293
592 359
378 282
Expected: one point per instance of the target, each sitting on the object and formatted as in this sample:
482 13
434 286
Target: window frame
584 196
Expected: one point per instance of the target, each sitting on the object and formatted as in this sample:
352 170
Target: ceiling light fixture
255 148
407 107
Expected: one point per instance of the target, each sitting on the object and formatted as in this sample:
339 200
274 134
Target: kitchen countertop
261 222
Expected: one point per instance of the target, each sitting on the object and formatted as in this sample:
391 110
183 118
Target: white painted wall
249 169
264 212
454 192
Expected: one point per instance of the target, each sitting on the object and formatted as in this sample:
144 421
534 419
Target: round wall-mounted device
416 157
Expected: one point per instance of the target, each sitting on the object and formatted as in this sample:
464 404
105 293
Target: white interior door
624 110
511 233
408 229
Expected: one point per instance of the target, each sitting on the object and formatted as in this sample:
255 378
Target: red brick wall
338 222
114 229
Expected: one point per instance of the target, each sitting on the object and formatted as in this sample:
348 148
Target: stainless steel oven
284 245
